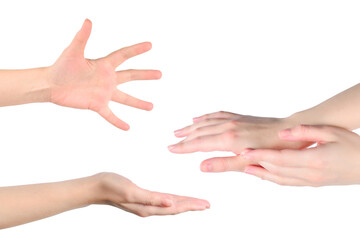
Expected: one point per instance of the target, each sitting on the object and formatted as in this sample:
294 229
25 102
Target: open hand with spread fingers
334 161
77 82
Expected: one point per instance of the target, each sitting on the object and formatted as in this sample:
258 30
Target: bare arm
23 86
225 131
23 204
76 82
342 110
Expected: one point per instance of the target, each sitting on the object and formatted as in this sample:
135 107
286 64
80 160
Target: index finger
118 57
207 143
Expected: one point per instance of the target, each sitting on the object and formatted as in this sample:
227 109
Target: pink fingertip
201 206
178 133
150 107
203 167
207 204
171 147
148 45
158 74
196 119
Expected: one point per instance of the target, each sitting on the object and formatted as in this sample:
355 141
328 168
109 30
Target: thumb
310 133
79 42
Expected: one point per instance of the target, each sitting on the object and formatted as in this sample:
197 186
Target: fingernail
171 147
178 132
285 132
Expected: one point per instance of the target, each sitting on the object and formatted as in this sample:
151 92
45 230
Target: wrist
89 189
98 193
294 119
305 117
40 87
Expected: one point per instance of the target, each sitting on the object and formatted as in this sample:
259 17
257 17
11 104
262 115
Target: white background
267 58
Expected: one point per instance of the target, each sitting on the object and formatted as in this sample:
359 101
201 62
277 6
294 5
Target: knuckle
232 123
207 120
317 179
197 131
319 163
197 141
123 53
229 136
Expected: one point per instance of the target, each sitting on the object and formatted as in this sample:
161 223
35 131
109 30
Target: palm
122 193
90 84
87 84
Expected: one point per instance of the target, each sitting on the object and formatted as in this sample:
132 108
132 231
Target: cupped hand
120 192
83 83
334 161
225 131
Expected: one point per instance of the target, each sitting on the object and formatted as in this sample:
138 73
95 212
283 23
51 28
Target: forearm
23 204
342 110
23 86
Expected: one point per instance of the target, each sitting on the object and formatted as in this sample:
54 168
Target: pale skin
23 204
334 161
239 134
77 82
